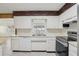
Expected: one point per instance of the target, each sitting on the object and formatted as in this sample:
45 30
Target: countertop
3 38
73 43
30 36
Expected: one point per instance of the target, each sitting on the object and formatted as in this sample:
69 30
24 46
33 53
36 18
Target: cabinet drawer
38 45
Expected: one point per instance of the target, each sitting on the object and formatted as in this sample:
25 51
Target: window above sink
39 27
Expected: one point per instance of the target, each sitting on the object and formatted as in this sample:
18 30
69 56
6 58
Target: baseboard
51 51
20 51
38 51
35 51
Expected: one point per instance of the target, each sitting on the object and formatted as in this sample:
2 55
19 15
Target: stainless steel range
62 43
61 46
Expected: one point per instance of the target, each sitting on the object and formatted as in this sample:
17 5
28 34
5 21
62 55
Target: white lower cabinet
33 44
26 44
21 44
51 43
44 44
16 43
72 50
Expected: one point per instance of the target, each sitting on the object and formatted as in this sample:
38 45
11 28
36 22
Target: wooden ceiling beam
37 13
6 15
65 7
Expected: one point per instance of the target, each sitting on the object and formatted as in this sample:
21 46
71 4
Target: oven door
61 48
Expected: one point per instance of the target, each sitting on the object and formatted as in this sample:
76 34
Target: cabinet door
54 22
51 44
22 22
25 44
22 44
16 44
72 50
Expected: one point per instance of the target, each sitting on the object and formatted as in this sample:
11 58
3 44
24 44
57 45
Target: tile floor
32 54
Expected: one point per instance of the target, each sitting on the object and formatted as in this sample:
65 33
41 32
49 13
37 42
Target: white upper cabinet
26 21
54 22
22 22
69 14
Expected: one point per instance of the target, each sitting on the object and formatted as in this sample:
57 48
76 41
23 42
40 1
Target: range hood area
70 21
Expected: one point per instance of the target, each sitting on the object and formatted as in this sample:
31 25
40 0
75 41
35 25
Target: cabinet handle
38 41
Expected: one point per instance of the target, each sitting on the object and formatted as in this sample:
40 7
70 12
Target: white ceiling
9 7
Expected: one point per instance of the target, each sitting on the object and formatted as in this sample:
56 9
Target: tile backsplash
24 32
56 32
50 32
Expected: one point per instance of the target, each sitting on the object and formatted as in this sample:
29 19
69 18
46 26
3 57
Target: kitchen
38 29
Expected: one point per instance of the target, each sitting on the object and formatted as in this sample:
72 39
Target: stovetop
62 38
72 36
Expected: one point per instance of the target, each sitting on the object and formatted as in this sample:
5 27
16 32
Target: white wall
6 23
